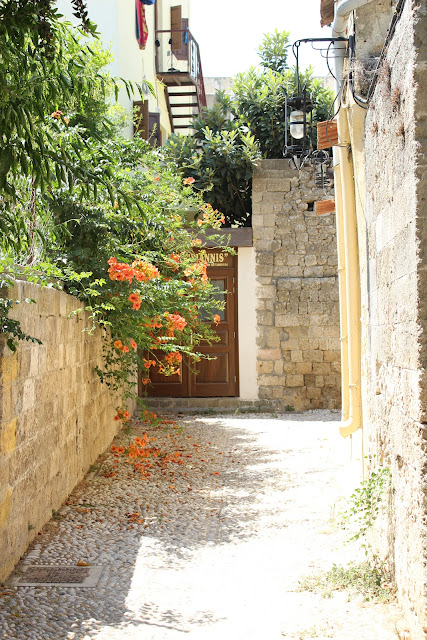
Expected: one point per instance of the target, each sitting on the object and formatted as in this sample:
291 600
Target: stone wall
55 416
392 240
297 290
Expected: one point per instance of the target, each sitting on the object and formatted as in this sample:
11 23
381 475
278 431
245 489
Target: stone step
200 405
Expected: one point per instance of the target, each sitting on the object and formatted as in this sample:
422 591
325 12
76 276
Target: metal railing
184 61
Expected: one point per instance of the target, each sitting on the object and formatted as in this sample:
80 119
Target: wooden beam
327 134
326 12
181 94
322 207
176 78
168 104
184 104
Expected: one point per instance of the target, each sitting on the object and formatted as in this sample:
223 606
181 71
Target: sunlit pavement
213 548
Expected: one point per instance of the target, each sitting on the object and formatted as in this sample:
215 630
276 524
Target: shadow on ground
240 489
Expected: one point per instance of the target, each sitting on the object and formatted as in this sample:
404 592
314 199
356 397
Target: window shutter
154 129
176 23
140 118
182 52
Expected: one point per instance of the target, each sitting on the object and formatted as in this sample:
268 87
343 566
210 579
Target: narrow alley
209 543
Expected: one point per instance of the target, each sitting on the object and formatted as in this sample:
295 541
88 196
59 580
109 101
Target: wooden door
161 386
218 377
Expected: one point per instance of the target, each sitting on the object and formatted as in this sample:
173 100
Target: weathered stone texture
297 290
55 416
394 288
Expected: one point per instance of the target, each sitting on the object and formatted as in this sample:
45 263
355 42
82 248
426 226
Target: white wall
247 323
135 64
115 20
104 13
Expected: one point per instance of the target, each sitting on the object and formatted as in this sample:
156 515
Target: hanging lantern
299 117
298 125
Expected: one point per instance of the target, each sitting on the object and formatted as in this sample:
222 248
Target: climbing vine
367 502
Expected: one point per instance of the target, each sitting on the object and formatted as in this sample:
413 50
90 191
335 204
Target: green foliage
231 136
367 502
78 197
372 579
144 223
217 119
369 579
220 157
52 98
259 96
36 19
259 103
10 329
14 230
274 51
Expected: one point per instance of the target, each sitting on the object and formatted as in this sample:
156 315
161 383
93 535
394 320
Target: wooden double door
216 377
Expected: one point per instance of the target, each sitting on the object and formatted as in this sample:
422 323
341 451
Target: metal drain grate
59 576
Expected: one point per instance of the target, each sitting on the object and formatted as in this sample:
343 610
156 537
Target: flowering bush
104 212
140 274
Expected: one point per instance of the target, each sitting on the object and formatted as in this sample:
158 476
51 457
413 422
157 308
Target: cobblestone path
211 550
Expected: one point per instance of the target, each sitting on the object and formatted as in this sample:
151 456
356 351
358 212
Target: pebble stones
212 548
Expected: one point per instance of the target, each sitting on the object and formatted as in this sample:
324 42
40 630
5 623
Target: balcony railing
178 61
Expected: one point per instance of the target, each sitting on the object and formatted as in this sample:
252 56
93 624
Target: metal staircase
178 67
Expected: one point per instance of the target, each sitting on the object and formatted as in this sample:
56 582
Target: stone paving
211 548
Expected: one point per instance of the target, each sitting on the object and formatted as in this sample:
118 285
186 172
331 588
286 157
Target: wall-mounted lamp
296 124
298 119
299 111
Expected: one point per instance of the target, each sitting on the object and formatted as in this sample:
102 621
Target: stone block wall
298 353
55 416
394 287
